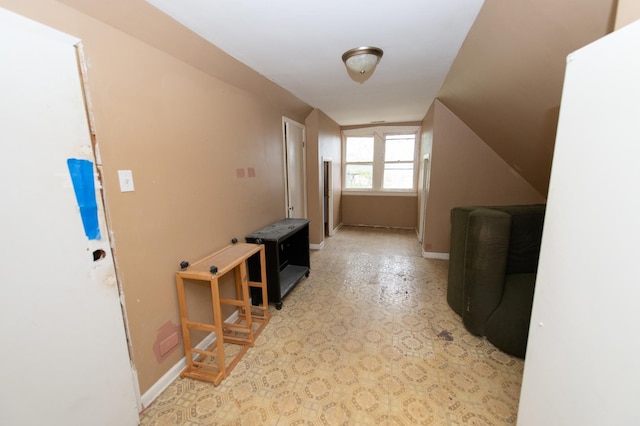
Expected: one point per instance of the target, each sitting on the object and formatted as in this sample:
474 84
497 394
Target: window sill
379 193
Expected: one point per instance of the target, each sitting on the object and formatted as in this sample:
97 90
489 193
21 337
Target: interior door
296 196
64 352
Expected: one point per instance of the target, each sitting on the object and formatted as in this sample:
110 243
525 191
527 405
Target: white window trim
379 133
367 193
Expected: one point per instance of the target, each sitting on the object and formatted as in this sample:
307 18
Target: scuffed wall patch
168 338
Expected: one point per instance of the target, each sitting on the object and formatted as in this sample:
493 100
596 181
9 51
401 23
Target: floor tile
366 339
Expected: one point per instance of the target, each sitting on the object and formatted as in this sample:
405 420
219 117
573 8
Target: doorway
295 168
327 175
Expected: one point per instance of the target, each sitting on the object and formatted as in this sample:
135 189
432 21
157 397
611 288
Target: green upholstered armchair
493 261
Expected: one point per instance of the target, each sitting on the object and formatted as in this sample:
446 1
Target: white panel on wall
582 360
64 356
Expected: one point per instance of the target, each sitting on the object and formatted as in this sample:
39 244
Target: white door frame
289 122
425 193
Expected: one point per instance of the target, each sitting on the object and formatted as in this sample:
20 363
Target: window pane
359 176
399 147
359 149
398 176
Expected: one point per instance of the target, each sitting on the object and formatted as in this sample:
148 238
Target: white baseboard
317 246
174 372
136 384
364 225
321 245
434 255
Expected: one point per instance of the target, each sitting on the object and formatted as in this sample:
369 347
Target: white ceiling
298 45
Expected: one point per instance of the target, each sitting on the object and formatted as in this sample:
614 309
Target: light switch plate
126 180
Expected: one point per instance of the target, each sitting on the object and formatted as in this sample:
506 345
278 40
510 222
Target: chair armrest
458 242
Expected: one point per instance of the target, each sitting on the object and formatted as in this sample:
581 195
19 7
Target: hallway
367 339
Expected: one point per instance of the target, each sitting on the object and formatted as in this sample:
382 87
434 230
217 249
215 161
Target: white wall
582 361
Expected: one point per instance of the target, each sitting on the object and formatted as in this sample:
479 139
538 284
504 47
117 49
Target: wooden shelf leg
217 322
186 337
238 278
244 282
263 274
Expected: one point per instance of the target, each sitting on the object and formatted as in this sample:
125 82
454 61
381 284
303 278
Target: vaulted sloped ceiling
506 82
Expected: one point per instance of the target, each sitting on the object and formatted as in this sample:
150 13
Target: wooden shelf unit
231 258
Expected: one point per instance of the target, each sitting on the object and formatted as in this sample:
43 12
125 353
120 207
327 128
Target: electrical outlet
126 180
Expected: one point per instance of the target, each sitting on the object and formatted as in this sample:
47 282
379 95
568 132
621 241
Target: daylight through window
380 163
399 156
359 162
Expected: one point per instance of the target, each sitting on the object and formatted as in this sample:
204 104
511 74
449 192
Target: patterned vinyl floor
367 339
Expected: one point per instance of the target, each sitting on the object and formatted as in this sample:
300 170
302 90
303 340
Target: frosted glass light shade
362 61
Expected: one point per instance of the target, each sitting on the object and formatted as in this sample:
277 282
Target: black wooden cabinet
286 246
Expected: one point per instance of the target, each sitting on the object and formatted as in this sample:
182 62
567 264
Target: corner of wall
627 11
466 171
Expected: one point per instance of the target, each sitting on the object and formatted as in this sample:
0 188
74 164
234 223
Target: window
399 160
359 163
380 163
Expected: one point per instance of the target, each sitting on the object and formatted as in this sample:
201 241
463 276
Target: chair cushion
508 326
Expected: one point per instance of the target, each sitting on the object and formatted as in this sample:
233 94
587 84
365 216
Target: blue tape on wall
84 186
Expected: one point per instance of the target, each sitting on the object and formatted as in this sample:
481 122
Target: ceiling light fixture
361 62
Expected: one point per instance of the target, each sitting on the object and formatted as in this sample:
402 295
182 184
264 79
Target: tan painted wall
323 140
185 135
627 12
379 210
331 147
466 171
144 22
506 81
395 210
